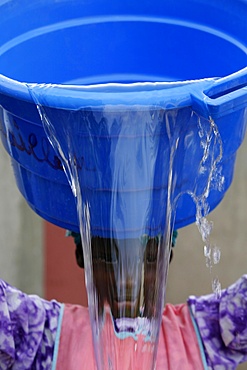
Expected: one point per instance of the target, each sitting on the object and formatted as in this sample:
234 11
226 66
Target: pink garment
178 347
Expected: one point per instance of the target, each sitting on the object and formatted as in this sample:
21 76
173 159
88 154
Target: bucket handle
224 96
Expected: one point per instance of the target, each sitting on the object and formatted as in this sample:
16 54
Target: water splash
213 151
127 169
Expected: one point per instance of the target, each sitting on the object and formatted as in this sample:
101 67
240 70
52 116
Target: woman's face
125 273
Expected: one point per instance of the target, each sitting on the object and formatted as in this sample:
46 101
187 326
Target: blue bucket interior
100 41
95 42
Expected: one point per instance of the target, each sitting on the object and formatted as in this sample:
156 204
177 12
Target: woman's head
125 272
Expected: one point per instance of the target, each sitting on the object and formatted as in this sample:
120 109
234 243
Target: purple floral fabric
222 324
28 326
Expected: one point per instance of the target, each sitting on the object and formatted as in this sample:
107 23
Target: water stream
128 170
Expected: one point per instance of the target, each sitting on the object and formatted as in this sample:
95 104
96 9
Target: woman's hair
103 242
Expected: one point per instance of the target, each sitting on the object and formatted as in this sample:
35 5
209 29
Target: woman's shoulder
28 328
221 321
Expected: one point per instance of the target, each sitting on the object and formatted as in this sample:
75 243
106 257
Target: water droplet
216 287
202 170
205 228
207 251
216 253
208 263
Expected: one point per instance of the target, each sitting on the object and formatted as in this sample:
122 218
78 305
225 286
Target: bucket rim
74 97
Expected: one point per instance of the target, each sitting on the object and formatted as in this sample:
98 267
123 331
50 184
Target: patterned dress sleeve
28 327
222 324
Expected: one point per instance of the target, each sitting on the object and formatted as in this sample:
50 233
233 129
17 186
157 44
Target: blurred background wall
21 235
36 257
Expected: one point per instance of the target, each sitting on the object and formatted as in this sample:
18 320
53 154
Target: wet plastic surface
148 43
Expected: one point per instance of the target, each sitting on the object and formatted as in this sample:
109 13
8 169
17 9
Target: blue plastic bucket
184 59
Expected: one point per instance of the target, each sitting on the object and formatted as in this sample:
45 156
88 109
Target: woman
206 332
